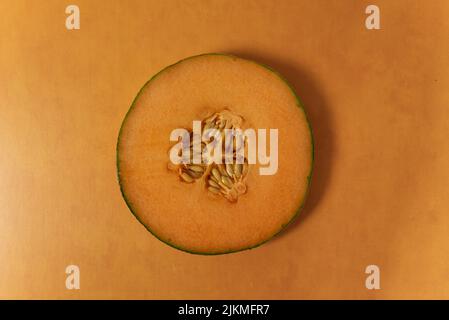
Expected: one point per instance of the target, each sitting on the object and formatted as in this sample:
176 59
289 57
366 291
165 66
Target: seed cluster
227 180
189 172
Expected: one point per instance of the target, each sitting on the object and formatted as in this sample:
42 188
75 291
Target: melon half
214 208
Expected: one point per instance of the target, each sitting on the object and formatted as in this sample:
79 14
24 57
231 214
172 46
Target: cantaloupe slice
188 216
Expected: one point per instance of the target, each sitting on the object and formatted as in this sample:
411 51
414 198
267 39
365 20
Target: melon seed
196 168
216 174
229 170
213 183
214 190
186 177
194 174
226 181
238 170
222 170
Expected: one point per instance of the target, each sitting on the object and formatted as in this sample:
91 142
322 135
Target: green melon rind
309 177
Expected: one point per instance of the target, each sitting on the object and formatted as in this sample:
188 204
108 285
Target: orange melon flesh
184 215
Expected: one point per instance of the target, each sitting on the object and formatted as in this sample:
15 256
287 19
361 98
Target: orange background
378 101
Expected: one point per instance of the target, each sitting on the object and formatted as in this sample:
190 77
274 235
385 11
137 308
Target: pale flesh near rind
184 215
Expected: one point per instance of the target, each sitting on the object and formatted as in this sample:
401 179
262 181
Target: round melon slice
208 207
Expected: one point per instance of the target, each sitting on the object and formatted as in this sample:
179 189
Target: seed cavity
226 180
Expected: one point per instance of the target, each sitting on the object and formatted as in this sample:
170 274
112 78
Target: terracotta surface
379 106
